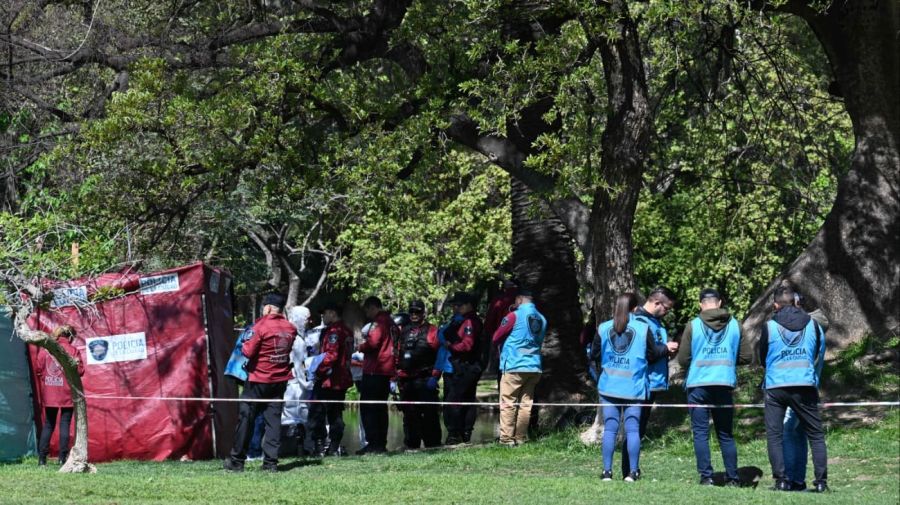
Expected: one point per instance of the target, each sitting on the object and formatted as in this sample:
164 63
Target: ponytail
625 303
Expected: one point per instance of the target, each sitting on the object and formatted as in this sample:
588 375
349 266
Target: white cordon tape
478 404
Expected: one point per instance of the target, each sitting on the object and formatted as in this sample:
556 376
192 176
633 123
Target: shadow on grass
299 463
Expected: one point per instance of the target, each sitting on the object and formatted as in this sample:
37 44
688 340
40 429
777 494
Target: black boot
63 456
42 460
320 449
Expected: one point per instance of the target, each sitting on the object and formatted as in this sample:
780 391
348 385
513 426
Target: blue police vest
623 359
713 354
237 363
659 370
522 350
793 356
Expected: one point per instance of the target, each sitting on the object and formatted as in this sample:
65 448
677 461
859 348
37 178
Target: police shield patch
468 330
535 325
621 342
332 338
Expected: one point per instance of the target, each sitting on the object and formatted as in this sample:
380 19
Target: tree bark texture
624 146
544 261
851 269
77 462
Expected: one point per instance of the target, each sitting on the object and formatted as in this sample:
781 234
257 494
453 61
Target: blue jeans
613 409
723 420
794 448
259 427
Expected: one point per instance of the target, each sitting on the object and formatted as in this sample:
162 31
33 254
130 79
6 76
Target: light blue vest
659 370
522 350
623 361
793 356
237 363
713 354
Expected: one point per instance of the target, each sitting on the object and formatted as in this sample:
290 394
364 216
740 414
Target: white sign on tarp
159 284
115 348
69 296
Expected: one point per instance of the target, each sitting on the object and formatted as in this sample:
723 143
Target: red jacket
52 381
378 348
269 349
465 344
335 343
497 310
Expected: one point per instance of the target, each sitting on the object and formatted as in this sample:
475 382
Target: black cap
709 293
462 298
526 292
275 300
417 306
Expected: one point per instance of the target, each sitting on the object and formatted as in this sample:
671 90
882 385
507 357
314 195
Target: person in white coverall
294 415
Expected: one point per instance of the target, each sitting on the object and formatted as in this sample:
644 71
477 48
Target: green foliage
741 181
431 238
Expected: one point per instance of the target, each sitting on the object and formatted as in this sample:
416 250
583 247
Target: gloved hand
432 383
394 388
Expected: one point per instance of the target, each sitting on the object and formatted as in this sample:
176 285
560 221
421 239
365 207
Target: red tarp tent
169 335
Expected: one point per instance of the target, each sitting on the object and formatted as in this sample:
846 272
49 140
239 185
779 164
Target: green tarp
16 408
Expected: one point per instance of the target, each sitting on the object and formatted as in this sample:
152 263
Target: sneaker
818 487
636 474
232 466
269 467
606 476
781 485
707 481
632 477
453 440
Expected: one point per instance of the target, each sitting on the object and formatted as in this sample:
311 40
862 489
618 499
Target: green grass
864 469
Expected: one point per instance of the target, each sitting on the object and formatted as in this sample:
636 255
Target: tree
34 250
850 268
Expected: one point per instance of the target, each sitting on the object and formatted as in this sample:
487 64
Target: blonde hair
63 331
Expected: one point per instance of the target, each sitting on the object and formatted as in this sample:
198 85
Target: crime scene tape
824 405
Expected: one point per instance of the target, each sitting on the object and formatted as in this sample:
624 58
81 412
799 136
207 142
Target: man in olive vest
709 352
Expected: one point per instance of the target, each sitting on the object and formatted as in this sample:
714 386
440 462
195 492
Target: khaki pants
516 387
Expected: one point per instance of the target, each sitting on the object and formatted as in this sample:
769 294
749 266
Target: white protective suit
299 387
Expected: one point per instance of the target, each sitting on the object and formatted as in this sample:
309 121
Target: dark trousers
421 423
247 414
65 420
804 401
642 430
723 420
461 386
331 414
375 416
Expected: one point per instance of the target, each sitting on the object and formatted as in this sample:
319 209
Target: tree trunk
851 269
544 261
77 461
623 154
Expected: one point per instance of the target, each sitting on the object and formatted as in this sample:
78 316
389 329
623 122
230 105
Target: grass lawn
864 469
